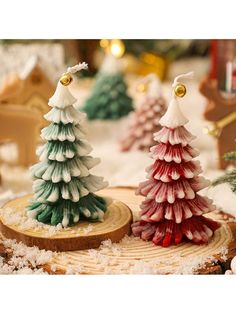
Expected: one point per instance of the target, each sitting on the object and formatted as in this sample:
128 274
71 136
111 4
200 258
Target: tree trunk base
84 235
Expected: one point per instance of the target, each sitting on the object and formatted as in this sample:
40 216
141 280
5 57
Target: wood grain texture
137 252
115 226
131 255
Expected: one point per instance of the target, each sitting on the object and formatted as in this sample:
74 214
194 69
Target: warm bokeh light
104 43
205 130
117 48
149 58
142 87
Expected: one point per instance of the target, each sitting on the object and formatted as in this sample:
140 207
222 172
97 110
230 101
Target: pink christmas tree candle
173 211
145 120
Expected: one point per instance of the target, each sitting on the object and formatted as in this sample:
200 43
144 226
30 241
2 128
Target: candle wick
188 75
77 68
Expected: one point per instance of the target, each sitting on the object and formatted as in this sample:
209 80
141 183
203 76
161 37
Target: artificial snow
11 216
120 169
88 229
109 258
233 265
23 259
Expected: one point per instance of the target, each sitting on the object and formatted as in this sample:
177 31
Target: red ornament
172 210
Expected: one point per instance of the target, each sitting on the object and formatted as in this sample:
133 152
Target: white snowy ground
128 169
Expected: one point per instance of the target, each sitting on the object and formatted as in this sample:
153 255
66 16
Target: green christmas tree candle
63 185
109 98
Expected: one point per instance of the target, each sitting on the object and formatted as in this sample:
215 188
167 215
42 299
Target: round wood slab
134 256
15 224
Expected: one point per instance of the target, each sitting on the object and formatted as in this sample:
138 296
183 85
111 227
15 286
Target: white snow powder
23 259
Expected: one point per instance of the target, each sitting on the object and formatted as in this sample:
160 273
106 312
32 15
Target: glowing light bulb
117 48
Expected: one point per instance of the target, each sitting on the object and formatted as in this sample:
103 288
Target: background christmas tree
172 209
108 99
145 120
63 186
230 176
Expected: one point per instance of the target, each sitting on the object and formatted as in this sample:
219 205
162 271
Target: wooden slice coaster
14 224
133 255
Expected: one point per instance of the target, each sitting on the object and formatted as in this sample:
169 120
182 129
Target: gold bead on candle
180 90
66 79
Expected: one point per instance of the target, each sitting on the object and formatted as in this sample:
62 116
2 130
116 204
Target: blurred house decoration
219 89
15 55
30 88
20 125
144 122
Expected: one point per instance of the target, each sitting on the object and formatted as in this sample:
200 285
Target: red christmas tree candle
173 210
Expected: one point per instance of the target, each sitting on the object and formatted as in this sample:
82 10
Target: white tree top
174 117
62 97
110 65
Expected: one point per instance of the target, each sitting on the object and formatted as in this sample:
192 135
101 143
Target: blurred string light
104 44
114 46
117 48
